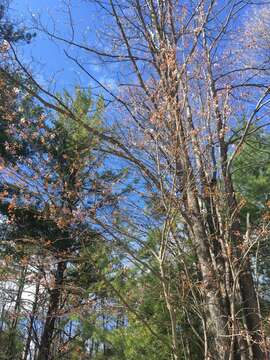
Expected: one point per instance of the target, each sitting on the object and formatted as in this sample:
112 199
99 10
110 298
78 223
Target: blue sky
46 58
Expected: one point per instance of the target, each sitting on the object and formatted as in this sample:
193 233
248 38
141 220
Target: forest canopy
134 180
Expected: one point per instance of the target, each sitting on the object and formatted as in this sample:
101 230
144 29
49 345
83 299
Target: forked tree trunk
218 322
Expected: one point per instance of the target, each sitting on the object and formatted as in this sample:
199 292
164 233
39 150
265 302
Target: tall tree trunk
246 283
55 295
218 322
215 305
